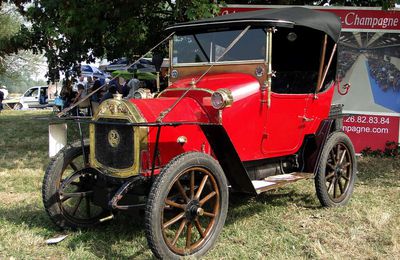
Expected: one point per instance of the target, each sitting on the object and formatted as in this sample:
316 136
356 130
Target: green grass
284 224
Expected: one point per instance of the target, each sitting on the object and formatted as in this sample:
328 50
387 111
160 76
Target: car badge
114 138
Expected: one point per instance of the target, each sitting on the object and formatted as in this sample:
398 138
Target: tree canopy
74 31
18 68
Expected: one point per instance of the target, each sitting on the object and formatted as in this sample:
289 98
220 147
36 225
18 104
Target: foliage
75 31
284 224
17 67
392 149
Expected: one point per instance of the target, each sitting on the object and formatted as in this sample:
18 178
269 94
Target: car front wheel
187 207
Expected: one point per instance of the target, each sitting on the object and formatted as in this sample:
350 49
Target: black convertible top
281 17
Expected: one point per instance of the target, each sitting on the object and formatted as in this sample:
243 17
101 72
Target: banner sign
360 18
368 59
373 132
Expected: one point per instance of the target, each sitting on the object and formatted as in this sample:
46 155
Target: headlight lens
221 98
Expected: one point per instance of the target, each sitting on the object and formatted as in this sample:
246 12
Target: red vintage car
248 108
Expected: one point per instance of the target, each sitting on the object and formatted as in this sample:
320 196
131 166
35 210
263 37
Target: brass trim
227 97
184 89
269 63
124 110
197 64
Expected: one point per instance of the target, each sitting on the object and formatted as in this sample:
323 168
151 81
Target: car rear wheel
337 169
187 207
67 189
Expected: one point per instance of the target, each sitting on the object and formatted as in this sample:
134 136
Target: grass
284 224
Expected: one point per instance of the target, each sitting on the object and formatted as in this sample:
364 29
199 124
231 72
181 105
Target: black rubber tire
160 190
338 173
51 182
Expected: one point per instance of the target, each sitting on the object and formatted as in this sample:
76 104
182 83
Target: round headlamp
142 93
221 98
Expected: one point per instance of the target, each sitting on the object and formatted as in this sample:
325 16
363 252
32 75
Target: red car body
248 107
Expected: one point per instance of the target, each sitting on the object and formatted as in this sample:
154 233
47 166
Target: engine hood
241 85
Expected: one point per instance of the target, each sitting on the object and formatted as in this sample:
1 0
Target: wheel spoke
329 176
208 214
346 164
179 231
201 187
182 190
199 228
174 204
192 185
206 198
332 154
189 235
77 206
340 184
342 157
331 184
174 220
346 178
337 153
330 165
335 188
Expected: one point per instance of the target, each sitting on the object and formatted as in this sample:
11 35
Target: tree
75 31
17 67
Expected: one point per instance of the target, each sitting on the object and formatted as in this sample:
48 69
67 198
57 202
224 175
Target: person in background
81 80
43 96
112 89
96 85
5 91
133 85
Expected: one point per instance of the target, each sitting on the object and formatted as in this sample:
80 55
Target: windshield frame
208 63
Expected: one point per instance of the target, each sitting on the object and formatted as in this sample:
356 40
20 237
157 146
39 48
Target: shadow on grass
124 236
104 241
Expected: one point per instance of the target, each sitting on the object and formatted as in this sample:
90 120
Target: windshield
207 47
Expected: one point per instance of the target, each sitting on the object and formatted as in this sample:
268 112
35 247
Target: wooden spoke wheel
187 207
68 190
337 169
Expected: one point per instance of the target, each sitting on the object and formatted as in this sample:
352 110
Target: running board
278 181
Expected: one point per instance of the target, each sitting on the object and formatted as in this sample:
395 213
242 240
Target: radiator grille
120 154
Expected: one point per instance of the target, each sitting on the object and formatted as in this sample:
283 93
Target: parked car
35 97
143 65
248 109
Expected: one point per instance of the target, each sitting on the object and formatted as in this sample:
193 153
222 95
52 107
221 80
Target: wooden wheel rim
189 226
338 171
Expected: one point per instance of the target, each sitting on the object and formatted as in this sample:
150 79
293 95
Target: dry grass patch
285 224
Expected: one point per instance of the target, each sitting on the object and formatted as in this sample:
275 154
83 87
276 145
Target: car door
31 97
285 124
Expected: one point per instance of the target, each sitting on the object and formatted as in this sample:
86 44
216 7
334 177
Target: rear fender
228 158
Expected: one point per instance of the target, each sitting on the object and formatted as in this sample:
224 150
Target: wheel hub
193 210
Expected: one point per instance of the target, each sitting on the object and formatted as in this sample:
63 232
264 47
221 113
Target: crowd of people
346 59
385 73
79 90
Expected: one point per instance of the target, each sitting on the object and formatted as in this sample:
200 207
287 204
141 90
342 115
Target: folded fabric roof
280 17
